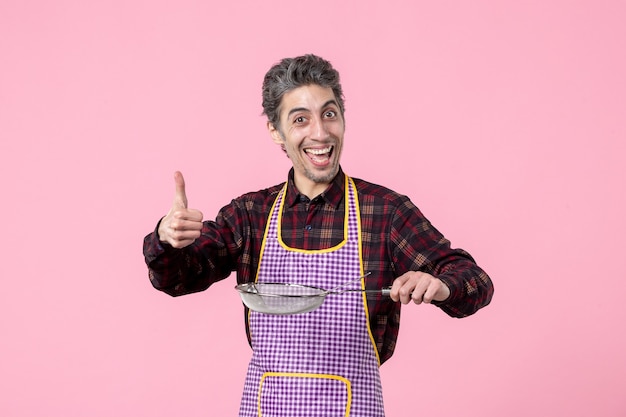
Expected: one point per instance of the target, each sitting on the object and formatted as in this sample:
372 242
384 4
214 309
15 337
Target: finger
180 196
437 291
394 293
420 290
427 297
191 215
181 238
397 283
406 292
402 292
179 223
431 291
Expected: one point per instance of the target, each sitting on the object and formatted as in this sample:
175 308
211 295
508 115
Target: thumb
180 198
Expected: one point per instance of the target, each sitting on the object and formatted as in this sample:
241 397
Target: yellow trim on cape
365 307
331 249
307 375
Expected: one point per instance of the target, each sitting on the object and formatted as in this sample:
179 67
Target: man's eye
299 119
330 114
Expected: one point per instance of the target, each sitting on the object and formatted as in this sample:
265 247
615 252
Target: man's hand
419 287
182 226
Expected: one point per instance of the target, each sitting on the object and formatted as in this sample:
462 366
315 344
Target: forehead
307 98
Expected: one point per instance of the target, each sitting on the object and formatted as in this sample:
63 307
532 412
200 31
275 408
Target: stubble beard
322 179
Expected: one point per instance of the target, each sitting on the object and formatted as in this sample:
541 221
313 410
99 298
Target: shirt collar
333 195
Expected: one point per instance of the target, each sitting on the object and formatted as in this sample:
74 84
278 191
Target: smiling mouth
319 155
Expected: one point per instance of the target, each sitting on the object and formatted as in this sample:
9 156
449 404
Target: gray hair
291 73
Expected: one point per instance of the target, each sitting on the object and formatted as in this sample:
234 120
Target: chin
323 177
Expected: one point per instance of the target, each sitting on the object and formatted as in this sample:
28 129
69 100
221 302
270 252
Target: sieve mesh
278 298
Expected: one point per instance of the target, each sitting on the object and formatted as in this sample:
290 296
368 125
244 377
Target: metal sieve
285 298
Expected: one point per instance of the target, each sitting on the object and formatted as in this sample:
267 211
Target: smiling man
319 228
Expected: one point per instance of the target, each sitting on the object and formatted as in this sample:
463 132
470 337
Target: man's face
311 132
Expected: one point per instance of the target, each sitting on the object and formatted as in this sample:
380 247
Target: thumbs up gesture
182 226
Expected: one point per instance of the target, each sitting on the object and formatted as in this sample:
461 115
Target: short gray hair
291 73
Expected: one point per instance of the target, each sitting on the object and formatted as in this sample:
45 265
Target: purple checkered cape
317 364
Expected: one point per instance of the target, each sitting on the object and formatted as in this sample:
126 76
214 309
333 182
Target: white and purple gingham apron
322 363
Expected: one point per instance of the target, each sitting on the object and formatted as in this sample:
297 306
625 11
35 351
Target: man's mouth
319 155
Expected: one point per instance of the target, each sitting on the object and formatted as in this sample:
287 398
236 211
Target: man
319 228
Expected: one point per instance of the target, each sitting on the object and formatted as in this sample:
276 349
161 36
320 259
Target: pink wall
504 121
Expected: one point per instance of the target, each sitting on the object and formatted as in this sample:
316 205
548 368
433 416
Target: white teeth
318 151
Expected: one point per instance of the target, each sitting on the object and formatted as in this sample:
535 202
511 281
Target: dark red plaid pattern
396 238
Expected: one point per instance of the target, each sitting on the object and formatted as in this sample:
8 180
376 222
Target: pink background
504 122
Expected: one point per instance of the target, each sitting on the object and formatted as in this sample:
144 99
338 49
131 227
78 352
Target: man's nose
319 130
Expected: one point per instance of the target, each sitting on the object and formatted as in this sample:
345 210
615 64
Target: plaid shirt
396 238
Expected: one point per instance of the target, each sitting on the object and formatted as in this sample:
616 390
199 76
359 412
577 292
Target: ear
275 134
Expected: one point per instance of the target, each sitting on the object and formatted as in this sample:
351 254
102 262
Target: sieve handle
337 289
386 291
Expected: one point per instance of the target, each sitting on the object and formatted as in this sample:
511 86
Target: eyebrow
297 109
